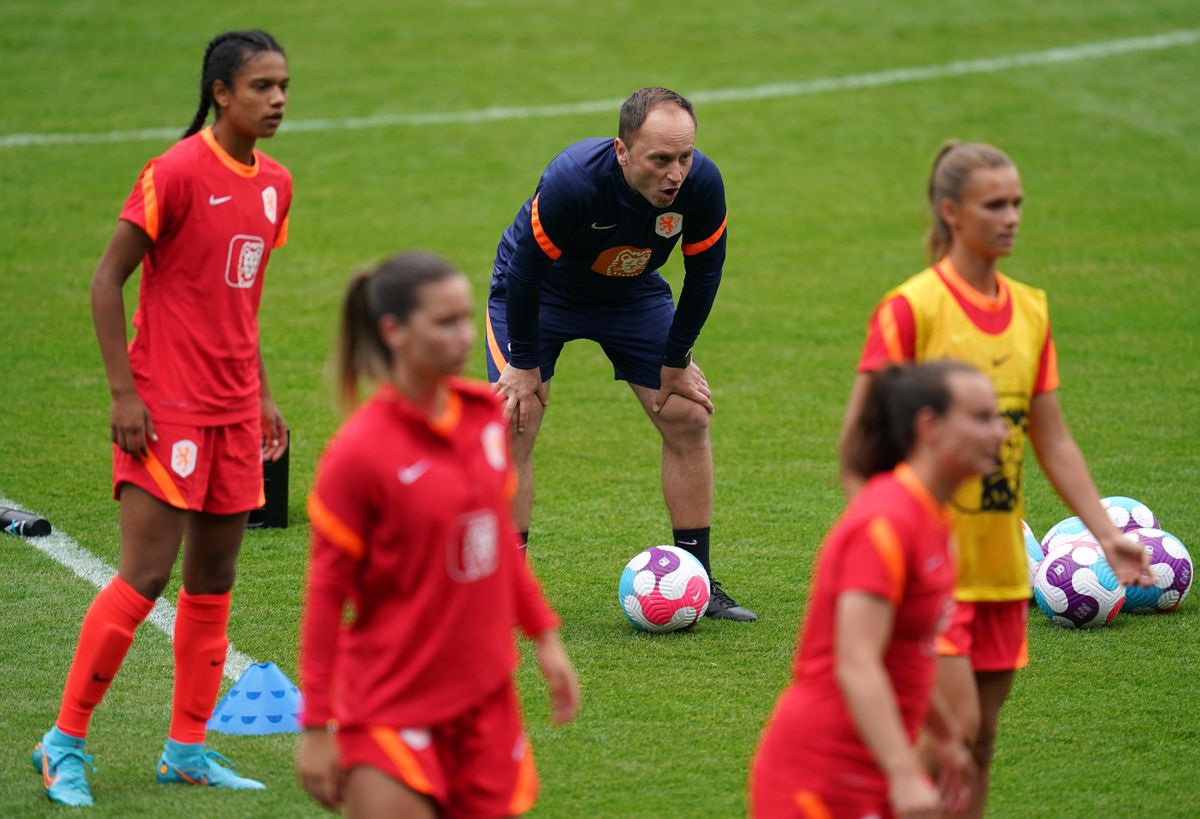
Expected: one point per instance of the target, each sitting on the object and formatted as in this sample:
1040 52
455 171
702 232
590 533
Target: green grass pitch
826 213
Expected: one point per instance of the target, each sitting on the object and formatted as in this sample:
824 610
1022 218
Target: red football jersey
214 222
411 524
894 542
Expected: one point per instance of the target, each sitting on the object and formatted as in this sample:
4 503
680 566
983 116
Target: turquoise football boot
193 764
60 760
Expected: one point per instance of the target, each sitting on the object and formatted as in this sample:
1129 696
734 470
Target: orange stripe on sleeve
402 756
150 203
1047 377
887 544
812 806
890 332
700 247
334 529
548 247
159 473
493 347
281 237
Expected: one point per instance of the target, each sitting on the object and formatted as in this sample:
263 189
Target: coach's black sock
696 542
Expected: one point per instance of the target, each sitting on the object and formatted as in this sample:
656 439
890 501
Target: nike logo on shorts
603 227
218 200
409 474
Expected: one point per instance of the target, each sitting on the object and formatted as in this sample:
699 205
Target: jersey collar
907 478
967 293
248 171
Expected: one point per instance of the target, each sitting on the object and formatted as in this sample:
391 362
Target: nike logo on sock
216 662
100 679
218 200
687 542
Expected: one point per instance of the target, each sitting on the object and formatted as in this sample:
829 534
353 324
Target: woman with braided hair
192 415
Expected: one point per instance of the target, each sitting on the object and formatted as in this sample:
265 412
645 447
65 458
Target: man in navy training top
581 260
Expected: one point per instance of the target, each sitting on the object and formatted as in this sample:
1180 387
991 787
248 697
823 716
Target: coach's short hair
641 103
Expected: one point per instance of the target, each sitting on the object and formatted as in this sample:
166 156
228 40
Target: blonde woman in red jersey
411 525
192 415
842 739
962 307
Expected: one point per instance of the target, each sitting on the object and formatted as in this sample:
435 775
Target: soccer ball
1129 514
1065 531
663 589
1171 568
1033 550
1075 587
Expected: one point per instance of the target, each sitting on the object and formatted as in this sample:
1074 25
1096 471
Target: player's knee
683 419
147 581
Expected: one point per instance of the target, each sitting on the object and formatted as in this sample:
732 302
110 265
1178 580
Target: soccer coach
581 260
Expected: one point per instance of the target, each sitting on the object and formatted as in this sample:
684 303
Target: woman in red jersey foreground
192 415
411 526
962 307
842 739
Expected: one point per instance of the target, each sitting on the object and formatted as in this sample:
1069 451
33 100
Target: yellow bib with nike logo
988 509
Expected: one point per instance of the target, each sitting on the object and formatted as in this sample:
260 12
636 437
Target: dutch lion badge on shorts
183 457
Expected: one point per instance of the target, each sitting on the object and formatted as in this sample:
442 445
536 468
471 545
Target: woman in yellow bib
963 308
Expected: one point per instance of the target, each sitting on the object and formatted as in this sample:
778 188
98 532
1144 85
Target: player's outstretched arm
1063 463
131 425
560 676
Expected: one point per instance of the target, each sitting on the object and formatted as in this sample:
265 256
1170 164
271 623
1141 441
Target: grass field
826 213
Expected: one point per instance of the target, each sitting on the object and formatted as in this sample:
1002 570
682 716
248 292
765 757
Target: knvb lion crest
622 261
668 224
244 260
270 203
473 554
183 457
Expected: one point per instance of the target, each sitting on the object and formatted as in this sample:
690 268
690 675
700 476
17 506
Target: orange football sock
200 646
104 640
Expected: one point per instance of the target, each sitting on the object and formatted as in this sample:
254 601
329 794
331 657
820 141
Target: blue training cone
262 701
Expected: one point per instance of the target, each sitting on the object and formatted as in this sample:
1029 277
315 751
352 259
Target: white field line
821 85
66 551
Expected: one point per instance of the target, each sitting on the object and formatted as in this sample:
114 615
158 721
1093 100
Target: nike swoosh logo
603 227
216 662
100 679
687 542
996 362
217 200
410 474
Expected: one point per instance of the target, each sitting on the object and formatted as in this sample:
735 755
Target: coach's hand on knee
688 382
518 388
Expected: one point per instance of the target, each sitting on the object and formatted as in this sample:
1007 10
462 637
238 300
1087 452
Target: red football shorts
775 798
478 763
993 635
204 469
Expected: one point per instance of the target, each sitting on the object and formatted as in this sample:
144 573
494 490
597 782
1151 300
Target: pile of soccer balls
1073 584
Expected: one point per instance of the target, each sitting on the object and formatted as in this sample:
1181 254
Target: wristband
680 363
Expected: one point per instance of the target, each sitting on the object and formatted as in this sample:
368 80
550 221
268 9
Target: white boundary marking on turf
66 551
823 85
